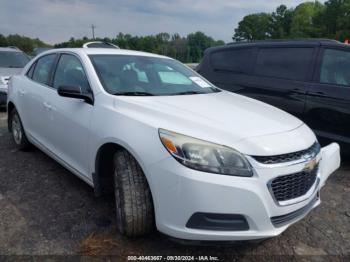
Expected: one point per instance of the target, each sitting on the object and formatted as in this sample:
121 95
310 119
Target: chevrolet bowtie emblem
311 165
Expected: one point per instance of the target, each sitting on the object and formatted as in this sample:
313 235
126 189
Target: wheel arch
103 174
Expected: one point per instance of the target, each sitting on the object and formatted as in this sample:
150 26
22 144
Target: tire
18 134
134 206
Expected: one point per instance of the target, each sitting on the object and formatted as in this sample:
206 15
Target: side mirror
75 92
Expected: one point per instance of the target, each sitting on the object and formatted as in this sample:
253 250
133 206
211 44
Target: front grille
308 153
294 185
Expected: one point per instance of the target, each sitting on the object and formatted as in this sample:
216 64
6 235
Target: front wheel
17 130
135 215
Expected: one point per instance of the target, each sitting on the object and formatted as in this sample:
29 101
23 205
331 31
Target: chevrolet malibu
196 162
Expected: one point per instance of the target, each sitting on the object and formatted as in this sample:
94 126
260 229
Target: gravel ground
45 210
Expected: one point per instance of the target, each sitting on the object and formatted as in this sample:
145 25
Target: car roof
103 51
283 42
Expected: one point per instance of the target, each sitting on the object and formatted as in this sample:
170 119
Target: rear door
282 76
32 96
328 100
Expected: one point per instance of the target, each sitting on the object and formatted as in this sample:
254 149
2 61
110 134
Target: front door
70 117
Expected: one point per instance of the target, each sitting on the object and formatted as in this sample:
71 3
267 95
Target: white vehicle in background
12 61
198 162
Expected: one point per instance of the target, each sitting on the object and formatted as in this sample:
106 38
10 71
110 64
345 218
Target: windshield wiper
189 93
133 93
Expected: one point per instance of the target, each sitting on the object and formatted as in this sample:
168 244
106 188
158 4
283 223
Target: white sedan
197 162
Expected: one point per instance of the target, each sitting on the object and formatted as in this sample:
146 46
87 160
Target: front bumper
180 192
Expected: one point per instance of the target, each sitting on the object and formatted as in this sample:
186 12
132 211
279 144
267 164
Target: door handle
47 106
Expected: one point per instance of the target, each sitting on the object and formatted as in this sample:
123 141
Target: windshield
13 59
140 75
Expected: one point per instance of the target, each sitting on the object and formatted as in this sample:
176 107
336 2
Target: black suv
307 78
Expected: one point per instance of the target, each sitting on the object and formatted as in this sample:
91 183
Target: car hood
223 117
4 71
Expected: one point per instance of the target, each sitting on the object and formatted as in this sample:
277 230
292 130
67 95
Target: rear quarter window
239 60
286 63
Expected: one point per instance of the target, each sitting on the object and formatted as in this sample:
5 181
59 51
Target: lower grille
279 221
291 186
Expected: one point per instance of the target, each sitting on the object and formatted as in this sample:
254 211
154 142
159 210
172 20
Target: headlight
205 156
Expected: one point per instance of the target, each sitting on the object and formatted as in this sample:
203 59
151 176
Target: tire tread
135 200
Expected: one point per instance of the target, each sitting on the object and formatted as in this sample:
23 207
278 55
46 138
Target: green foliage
186 49
24 43
307 20
303 20
280 22
253 27
338 14
197 43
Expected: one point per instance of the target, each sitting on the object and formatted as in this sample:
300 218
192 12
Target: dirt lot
45 210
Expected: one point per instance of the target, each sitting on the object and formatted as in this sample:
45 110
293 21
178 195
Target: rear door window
286 63
239 60
335 67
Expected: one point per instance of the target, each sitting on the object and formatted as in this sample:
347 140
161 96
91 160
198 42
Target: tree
185 49
303 23
336 19
333 10
178 47
253 27
280 22
343 22
307 20
3 40
26 44
197 43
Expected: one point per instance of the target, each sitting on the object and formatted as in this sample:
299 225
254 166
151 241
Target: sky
55 21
